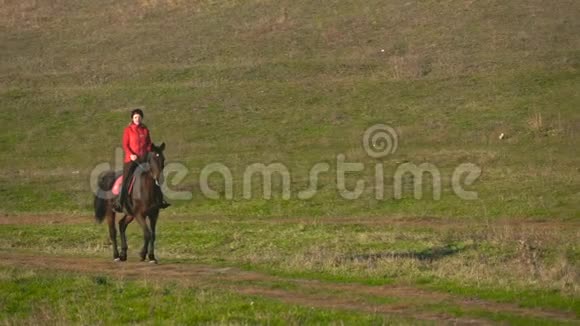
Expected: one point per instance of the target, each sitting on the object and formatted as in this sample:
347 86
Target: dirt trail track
313 293
403 221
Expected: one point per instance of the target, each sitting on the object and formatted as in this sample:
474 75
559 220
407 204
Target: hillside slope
296 82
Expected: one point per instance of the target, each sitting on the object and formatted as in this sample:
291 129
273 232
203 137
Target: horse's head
156 161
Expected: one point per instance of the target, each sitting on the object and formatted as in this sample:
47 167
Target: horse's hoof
122 258
116 260
153 261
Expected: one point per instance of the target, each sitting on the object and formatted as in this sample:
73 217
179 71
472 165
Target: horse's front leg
113 234
146 235
152 223
123 223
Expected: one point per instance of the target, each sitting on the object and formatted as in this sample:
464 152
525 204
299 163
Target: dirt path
431 222
403 301
45 219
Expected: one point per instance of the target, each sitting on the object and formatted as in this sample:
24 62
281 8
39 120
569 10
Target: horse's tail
104 196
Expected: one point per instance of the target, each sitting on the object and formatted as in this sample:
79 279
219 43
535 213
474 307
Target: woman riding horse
136 144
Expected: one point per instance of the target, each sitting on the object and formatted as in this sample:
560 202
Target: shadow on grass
429 254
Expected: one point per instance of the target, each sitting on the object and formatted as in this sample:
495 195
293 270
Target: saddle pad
117 186
116 190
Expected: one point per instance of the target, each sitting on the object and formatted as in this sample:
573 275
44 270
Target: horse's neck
146 178
144 182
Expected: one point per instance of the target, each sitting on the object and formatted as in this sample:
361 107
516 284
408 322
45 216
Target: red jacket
136 140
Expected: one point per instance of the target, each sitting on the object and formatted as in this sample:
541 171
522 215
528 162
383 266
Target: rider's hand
133 157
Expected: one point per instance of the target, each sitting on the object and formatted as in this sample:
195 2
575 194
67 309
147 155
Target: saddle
127 205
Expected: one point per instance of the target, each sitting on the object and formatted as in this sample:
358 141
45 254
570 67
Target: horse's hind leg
123 228
113 234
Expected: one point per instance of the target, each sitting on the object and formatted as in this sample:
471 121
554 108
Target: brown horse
143 203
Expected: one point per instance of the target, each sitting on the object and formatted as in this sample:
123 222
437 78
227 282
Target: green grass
29 296
523 297
497 316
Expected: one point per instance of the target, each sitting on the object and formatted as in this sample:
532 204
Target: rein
145 166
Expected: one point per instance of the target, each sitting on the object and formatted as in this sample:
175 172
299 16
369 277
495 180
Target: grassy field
360 270
296 83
